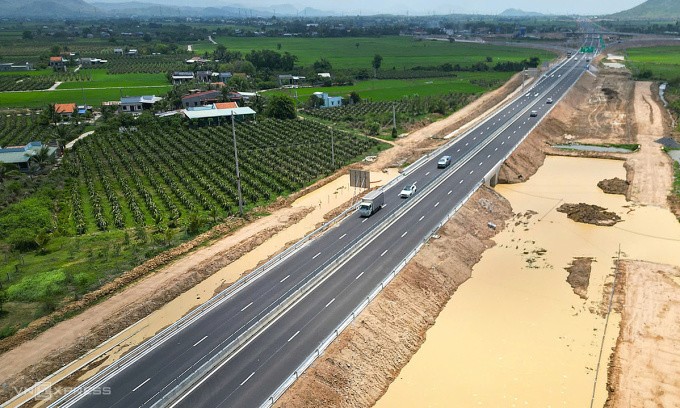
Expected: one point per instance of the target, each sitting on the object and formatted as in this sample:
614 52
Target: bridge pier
491 179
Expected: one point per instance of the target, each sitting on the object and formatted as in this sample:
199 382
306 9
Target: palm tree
7 172
42 157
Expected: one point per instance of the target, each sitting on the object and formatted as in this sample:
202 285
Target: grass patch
397 52
393 89
98 78
39 99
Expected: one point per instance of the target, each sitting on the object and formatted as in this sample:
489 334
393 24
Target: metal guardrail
206 307
269 402
187 319
321 273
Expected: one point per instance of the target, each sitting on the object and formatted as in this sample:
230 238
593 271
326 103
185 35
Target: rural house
201 98
21 155
328 101
10 66
180 77
88 62
203 76
216 111
136 104
65 110
118 51
58 63
290 81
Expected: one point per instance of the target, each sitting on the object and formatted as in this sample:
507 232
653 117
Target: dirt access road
36 358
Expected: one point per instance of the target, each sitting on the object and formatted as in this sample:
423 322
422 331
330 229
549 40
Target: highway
252 374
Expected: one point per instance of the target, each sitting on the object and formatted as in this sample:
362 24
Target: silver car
444 162
408 191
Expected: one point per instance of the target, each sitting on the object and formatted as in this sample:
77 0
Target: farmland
661 62
124 194
393 89
398 52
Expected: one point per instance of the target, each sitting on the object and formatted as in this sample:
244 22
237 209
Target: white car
549 101
408 191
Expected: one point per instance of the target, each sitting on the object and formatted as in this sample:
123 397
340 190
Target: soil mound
614 186
579 276
589 214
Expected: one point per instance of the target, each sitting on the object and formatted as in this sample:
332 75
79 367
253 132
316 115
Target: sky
583 7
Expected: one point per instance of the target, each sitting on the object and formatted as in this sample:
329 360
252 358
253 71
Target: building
58 63
137 104
197 60
328 101
66 110
201 98
217 112
132 52
324 75
118 51
203 76
180 77
10 66
290 81
88 62
21 155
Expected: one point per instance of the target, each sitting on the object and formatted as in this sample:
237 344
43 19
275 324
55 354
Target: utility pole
524 74
332 148
238 174
394 116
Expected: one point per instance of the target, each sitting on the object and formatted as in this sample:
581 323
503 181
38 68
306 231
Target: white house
329 101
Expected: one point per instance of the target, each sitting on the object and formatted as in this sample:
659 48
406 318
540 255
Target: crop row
24 83
161 173
17 129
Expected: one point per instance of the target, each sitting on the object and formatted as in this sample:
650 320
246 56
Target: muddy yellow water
515 334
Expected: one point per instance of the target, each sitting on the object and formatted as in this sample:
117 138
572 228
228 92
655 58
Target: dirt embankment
645 368
595 111
359 366
579 276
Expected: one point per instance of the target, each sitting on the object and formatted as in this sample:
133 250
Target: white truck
371 203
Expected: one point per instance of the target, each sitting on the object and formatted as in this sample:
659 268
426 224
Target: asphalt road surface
250 376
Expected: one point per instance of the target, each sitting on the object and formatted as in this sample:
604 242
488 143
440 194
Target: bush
24 220
281 107
38 288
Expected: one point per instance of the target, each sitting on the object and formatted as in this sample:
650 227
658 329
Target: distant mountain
512 12
47 8
171 9
652 9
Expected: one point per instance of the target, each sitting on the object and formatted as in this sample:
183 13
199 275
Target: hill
47 8
652 10
512 12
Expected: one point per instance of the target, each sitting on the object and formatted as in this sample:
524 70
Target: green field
100 79
663 62
391 89
397 52
39 99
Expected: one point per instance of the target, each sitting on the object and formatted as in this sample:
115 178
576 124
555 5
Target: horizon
436 7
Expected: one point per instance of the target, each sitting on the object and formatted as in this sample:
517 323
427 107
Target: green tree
27 35
3 300
8 171
322 65
377 62
281 107
354 97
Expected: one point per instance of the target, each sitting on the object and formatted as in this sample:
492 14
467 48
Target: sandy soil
595 111
359 366
36 358
645 370
650 169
